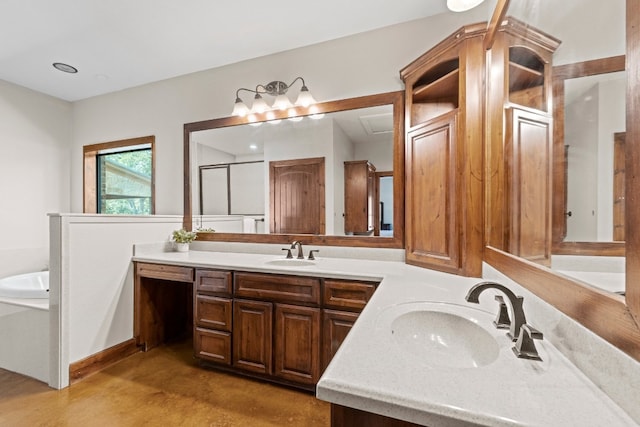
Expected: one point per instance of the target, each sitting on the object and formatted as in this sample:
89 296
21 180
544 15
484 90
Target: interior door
297 196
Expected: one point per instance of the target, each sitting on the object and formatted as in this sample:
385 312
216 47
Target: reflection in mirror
591 119
347 156
594 124
589 30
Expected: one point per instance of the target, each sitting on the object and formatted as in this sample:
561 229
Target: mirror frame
613 317
396 99
560 74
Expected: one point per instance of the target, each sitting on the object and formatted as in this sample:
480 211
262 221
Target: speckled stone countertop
371 372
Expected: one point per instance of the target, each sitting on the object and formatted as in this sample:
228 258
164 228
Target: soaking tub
24 324
29 285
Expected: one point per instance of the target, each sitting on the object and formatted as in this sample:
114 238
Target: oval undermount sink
291 262
444 339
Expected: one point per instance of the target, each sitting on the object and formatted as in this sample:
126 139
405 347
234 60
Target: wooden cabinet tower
444 122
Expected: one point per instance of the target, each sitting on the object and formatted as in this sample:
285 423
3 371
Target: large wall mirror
332 177
589 170
594 203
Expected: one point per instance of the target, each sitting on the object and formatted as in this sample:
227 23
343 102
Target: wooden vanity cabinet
519 147
342 302
277 326
162 303
444 106
253 336
212 316
360 213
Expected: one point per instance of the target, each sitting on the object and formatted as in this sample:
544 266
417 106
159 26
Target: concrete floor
163 387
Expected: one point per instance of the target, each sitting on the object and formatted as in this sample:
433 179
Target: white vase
182 247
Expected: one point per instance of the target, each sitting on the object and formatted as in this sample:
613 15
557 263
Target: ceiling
361 126
117 44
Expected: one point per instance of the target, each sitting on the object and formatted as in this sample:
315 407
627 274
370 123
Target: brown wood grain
342 416
632 175
99 361
253 336
297 196
359 192
297 343
444 159
335 328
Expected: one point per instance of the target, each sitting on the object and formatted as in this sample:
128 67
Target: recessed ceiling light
65 67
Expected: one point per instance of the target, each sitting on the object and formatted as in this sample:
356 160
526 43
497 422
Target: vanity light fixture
462 5
276 89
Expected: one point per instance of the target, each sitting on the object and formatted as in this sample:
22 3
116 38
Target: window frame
90 169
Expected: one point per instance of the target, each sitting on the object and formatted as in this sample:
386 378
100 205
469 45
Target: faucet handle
525 348
311 257
289 256
502 319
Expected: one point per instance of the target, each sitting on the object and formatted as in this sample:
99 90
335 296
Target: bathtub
24 322
29 285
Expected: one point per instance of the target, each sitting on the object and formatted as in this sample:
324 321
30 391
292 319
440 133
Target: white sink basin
441 335
291 262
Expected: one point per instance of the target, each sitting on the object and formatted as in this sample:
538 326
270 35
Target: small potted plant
182 238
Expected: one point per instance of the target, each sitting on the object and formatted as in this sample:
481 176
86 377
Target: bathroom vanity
264 316
284 328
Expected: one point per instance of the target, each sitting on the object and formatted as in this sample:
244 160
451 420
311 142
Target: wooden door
252 335
335 327
618 185
431 195
528 155
297 343
359 195
297 199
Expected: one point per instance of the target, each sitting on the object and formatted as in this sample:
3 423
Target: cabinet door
297 343
252 335
336 326
528 151
432 199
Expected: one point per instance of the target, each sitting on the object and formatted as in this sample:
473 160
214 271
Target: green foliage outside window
124 183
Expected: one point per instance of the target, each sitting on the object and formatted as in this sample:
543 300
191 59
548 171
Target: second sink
442 335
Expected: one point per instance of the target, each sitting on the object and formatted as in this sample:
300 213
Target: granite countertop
371 372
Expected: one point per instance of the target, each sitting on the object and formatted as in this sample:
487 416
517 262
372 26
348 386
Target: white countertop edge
381 403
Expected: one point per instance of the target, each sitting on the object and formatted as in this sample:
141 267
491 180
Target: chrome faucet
515 301
298 244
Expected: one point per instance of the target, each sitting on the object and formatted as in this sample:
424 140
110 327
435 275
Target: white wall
35 141
590 122
612 116
363 64
91 282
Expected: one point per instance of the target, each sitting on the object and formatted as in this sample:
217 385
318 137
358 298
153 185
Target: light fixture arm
277 89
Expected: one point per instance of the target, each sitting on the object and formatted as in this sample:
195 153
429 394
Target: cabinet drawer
275 287
166 272
213 312
214 346
347 294
213 281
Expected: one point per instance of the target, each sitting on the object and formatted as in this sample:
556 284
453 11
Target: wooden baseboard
96 362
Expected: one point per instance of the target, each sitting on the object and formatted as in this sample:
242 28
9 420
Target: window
119 177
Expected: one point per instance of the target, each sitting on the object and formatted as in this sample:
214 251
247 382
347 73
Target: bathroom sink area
291 262
444 339
442 335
